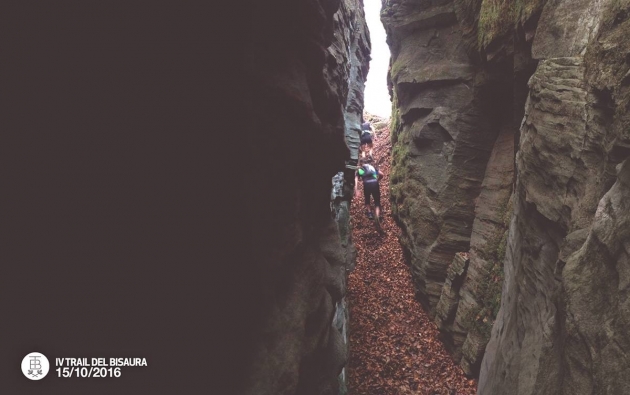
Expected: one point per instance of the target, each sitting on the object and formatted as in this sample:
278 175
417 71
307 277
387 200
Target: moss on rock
497 18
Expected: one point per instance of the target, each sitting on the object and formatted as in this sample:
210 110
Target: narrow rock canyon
508 181
507 194
511 144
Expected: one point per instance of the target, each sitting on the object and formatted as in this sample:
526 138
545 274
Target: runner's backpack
368 173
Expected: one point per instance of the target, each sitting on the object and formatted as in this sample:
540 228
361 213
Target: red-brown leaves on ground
394 346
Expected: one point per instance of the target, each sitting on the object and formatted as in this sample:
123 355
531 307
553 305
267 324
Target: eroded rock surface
442 135
453 127
559 330
510 128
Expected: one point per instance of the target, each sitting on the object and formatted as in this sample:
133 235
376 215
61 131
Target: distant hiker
369 174
366 138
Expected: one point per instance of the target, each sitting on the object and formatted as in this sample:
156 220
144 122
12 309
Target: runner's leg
377 200
366 196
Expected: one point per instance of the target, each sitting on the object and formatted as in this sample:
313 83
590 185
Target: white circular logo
35 366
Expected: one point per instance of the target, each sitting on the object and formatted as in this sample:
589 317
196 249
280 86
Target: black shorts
372 188
366 139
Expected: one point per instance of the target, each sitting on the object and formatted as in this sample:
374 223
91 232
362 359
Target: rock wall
309 107
148 135
493 235
450 106
467 311
470 302
358 47
564 313
442 134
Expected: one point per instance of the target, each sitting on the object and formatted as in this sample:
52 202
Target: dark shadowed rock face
356 44
307 70
538 247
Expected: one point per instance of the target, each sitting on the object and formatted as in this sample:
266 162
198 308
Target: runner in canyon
394 345
367 139
370 175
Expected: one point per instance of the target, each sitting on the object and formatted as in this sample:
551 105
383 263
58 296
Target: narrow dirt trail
394 346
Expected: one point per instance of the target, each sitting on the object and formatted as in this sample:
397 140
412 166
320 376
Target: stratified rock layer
562 327
442 135
454 122
518 240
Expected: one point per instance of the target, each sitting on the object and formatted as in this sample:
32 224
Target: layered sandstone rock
464 104
474 302
564 314
449 110
442 137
